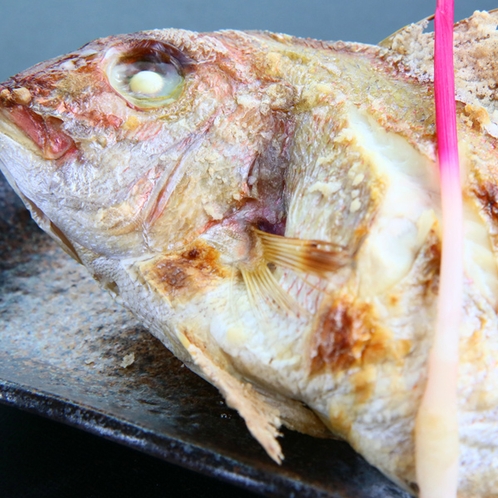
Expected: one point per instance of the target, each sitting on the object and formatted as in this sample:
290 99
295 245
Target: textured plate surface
63 343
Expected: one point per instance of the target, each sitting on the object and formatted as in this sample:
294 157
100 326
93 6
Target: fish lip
9 129
42 135
45 134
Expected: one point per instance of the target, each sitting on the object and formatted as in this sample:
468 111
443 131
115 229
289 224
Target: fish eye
147 75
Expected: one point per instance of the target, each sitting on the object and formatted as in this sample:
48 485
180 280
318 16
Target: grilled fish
269 208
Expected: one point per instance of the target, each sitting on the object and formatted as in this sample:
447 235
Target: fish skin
331 143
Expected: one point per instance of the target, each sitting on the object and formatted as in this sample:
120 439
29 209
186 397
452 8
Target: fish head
138 143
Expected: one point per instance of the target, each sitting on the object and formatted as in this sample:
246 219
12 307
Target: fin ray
261 282
261 418
306 256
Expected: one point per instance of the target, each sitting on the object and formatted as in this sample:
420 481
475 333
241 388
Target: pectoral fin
314 257
306 257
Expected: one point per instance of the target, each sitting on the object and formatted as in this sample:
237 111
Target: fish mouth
9 129
17 152
42 135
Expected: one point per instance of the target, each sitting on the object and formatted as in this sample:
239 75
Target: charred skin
276 224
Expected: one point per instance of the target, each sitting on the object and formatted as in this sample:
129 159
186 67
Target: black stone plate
62 347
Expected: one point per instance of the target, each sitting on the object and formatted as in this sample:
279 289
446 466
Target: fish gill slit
167 183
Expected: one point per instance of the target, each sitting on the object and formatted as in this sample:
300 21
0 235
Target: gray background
34 30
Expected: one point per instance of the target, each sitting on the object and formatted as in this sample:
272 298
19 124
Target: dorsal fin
387 42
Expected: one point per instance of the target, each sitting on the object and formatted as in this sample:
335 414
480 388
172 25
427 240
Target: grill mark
180 276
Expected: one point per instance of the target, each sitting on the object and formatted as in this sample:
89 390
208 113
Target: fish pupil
146 75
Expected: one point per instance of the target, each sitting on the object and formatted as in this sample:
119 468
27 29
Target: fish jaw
31 145
45 134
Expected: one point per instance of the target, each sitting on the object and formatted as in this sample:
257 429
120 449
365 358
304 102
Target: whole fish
269 208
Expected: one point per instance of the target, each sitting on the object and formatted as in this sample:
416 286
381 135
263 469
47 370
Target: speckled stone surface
68 352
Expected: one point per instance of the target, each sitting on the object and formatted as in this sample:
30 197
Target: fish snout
19 121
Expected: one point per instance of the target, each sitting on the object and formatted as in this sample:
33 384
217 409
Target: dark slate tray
62 345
